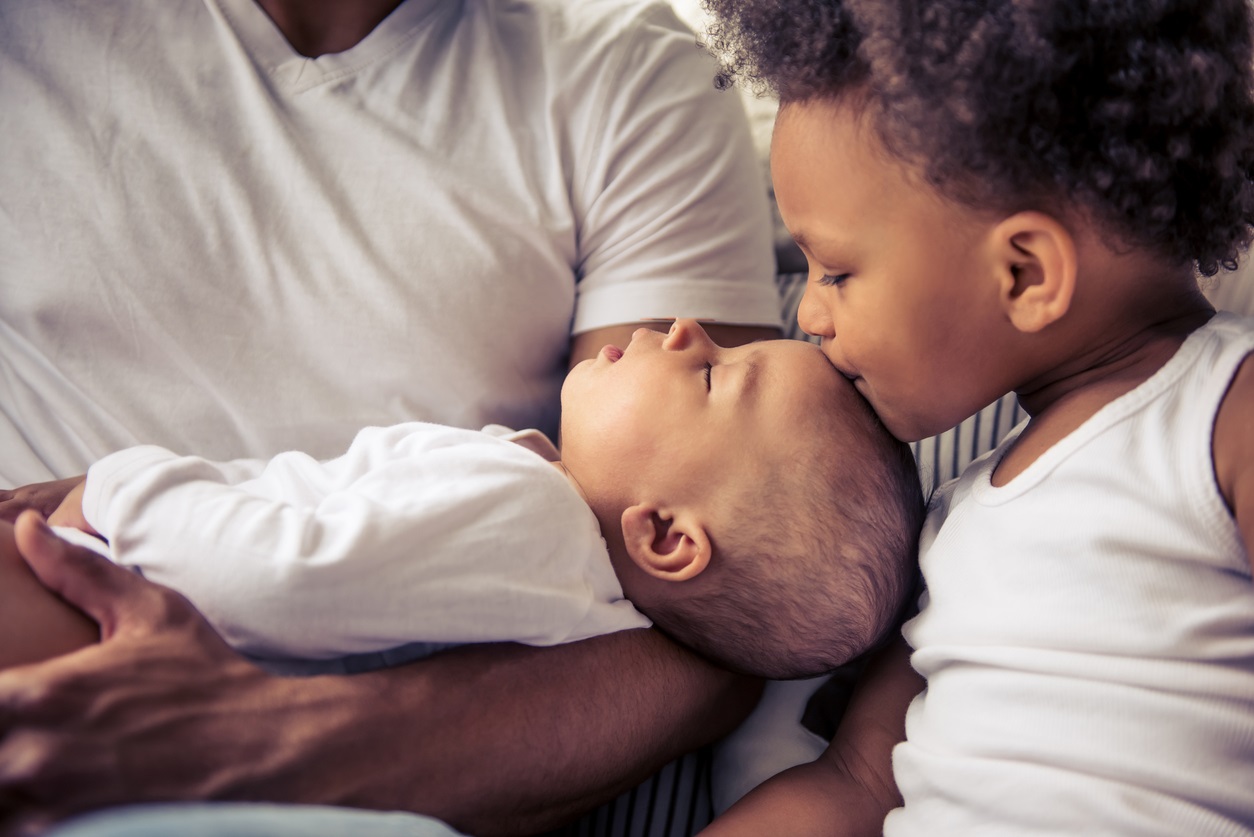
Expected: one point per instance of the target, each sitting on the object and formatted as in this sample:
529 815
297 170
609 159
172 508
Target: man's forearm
501 739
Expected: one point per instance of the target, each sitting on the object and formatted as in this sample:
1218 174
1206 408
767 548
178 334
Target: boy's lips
612 353
848 373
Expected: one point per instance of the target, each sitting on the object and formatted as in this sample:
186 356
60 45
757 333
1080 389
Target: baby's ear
1036 268
666 545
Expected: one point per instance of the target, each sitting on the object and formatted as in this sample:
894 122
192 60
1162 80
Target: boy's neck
1117 362
1125 328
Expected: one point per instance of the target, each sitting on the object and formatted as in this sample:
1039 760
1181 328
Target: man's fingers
36 792
43 497
86 580
10 507
118 600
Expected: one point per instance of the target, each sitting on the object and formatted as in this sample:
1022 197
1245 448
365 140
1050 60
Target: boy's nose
814 316
683 333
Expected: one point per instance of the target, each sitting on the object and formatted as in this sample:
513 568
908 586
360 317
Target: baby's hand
43 497
70 512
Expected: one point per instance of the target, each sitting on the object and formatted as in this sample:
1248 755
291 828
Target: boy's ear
665 545
1036 269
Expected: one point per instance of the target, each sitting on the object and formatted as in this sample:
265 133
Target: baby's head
754 506
963 161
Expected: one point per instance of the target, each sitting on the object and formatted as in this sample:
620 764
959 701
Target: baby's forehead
802 378
799 360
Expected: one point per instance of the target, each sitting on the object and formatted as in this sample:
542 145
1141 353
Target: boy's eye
706 372
829 279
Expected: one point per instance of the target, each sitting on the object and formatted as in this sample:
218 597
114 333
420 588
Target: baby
745 500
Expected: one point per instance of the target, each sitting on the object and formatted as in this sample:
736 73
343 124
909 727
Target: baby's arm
35 623
849 789
70 512
411 535
1233 451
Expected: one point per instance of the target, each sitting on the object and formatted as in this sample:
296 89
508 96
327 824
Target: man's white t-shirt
211 243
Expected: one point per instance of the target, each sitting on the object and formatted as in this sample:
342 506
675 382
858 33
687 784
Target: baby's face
678 416
899 286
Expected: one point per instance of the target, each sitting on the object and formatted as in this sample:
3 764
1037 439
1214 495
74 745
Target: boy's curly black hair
1139 111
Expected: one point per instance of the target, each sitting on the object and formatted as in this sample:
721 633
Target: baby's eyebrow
752 374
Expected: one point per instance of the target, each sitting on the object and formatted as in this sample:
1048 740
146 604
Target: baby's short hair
812 566
1138 112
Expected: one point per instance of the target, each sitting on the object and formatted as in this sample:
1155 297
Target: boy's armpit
1232 448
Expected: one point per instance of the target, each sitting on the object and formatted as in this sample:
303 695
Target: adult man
238 228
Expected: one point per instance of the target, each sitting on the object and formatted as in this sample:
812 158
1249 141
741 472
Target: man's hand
77 730
43 497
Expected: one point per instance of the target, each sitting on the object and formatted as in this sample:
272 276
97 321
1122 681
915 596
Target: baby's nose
683 332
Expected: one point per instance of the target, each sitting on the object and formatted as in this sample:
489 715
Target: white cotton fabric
1087 633
211 243
419 533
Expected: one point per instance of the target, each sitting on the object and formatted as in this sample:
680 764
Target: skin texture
645 430
43 497
33 624
880 298
323 27
1234 452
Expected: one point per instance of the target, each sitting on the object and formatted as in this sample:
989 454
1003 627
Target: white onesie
419 536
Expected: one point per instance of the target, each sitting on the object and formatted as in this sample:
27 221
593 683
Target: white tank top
1087 633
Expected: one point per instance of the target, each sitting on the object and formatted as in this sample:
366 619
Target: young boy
749 501
1007 196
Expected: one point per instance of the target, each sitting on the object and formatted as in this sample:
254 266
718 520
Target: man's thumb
86 580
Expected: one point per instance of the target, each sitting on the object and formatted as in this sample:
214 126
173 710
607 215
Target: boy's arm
849 789
1233 451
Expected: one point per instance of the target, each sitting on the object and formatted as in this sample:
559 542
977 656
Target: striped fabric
676 801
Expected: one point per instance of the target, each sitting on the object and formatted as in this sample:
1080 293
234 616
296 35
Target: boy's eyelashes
829 279
706 373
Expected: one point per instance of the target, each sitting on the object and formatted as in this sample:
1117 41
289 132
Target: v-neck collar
291 71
